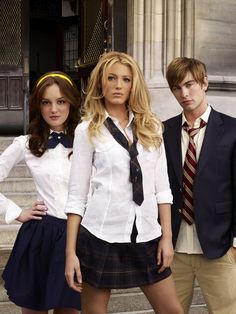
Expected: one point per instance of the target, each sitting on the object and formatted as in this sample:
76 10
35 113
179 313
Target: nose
54 107
119 83
184 92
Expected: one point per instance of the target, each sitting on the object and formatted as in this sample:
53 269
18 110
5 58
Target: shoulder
173 120
82 127
21 141
172 123
223 118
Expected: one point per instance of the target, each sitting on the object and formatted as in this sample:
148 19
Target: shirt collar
204 117
116 121
51 131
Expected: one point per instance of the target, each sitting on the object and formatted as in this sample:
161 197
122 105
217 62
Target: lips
54 117
187 102
117 94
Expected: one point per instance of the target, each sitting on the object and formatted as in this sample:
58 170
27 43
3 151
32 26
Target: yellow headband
53 75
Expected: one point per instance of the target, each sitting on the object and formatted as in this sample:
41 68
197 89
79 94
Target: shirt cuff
164 197
234 242
13 212
74 206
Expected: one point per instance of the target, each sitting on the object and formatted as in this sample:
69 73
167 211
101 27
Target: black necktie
56 138
136 177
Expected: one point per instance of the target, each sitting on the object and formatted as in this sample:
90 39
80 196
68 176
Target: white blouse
50 174
101 192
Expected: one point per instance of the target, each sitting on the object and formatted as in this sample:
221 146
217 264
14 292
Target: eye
111 78
44 102
127 80
61 101
175 88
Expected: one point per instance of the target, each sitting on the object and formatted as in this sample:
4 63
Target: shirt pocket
104 146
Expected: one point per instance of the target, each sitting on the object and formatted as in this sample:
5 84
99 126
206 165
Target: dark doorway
54 37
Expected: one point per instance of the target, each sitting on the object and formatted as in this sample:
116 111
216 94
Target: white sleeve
163 191
80 174
8 159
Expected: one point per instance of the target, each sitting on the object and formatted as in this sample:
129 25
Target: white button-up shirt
187 241
101 192
50 174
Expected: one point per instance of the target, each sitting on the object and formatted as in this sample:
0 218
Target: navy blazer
214 191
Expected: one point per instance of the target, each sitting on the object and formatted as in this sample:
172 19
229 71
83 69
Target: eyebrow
126 75
190 81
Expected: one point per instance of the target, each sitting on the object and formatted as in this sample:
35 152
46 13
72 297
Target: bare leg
162 296
29 311
94 300
66 311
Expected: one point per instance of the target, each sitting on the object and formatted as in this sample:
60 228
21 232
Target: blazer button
180 210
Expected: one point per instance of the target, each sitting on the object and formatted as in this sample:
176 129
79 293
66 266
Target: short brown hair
179 67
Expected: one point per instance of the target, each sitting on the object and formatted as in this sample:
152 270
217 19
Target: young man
201 154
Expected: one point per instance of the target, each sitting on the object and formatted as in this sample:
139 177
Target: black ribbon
136 176
56 138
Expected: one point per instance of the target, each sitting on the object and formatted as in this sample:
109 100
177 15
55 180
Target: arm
165 250
234 206
14 154
164 197
80 175
72 268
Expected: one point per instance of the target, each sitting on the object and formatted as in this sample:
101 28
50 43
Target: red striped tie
189 171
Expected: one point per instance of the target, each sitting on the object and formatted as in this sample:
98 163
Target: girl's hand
165 253
73 273
35 212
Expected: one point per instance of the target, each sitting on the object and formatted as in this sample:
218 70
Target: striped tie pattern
189 171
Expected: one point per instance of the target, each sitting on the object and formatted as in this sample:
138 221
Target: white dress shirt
187 241
50 174
102 166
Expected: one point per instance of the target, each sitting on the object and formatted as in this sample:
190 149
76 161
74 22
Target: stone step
23 200
17 185
8 236
5 142
119 304
20 171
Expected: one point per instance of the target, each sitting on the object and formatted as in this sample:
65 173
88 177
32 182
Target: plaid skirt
34 275
118 265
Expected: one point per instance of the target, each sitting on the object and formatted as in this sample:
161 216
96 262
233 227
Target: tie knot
57 136
193 131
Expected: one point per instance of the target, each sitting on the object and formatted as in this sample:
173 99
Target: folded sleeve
163 191
8 159
81 170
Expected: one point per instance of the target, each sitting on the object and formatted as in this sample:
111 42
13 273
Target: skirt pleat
118 265
34 274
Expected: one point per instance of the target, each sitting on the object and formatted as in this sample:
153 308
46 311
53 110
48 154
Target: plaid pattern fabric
118 265
56 138
136 177
189 171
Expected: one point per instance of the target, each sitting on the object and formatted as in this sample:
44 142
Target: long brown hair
38 128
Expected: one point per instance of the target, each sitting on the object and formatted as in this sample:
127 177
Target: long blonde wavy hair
146 126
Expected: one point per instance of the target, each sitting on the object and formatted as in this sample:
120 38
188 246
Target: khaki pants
217 279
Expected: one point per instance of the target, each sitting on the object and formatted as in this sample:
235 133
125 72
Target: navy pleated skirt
34 274
118 265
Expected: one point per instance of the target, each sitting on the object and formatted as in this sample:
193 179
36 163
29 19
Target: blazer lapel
214 131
